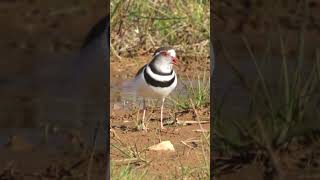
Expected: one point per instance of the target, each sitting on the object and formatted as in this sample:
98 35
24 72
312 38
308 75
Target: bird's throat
161 70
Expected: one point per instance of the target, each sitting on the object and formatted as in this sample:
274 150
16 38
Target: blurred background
266 89
52 76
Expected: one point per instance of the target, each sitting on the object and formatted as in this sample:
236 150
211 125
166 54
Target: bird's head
168 55
164 59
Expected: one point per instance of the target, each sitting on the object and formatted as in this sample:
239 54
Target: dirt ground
160 164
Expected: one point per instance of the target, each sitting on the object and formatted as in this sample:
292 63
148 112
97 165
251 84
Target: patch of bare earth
186 139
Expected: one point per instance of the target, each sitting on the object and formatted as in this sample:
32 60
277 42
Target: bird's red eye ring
165 53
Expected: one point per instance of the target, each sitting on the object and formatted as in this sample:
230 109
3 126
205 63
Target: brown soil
162 164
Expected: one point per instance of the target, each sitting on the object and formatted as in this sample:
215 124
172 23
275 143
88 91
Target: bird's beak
174 61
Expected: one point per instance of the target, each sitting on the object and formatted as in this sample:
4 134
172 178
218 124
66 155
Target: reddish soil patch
162 164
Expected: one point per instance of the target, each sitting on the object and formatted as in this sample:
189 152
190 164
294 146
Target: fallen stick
191 122
187 144
200 130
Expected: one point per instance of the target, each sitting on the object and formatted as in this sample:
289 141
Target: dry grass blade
184 123
187 144
200 130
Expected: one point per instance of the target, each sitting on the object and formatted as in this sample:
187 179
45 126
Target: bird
156 79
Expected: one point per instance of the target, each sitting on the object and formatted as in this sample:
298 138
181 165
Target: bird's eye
164 53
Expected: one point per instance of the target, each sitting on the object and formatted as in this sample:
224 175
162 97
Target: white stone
163 146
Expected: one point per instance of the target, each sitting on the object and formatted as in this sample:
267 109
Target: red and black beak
174 61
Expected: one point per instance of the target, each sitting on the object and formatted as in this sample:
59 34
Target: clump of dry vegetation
143 25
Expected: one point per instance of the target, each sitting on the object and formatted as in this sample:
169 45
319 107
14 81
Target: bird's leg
144 115
161 114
